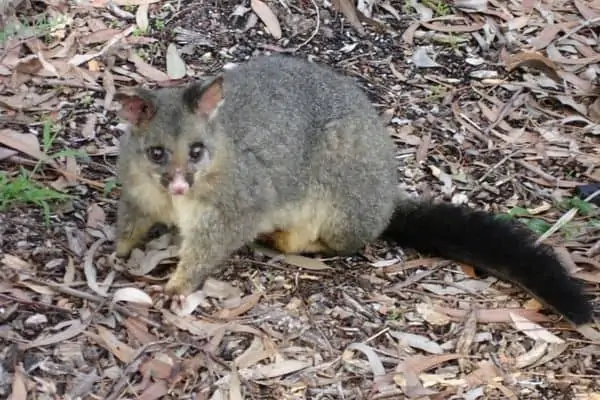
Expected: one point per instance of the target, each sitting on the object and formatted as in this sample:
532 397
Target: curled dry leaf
220 289
90 270
140 263
422 60
532 59
417 342
191 302
533 330
247 303
374 361
253 354
132 295
267 17
176 68
141 17
526 359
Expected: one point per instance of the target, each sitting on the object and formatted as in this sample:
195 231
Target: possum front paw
182 283
123 247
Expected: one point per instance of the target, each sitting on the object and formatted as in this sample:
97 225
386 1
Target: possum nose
178 186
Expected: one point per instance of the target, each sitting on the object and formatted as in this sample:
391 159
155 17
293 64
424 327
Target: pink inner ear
136 110
211 97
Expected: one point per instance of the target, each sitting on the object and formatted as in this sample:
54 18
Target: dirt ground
494 104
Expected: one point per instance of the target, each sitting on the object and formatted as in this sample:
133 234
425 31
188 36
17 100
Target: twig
584 24
307 41
506 108
565 219
93 298
115 390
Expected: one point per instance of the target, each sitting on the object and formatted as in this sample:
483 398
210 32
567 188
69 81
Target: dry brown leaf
96 217
69 271
140 263
453 28
494 315
267 17
417 341
594 111
199 328
586 12
486 373
235 387
247 303
554 350
466 338
79 59
90 270
74 328
411 385
141 17
157 390
348 8
88 130
253 354
19 390
16 263
156 367
6 153
132 295
535 354
110 342
408 36
309 263
373 360
593 277
146 70
429 314
176 68
533 330
419 363
104 3
280 368
100 36
549 32
26 143
534 60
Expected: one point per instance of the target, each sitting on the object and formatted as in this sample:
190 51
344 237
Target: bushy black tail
503 248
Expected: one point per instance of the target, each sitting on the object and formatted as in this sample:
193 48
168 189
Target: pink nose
179 189
178 185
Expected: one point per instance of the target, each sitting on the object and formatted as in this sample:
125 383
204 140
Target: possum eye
196 152
157 154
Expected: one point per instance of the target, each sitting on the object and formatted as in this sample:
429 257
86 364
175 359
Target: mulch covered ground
491 103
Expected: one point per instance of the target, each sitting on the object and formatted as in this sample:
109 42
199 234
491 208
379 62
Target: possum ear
138 105
205 98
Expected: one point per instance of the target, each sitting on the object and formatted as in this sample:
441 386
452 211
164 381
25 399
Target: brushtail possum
292 152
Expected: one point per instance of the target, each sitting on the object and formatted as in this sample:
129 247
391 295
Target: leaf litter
495 105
